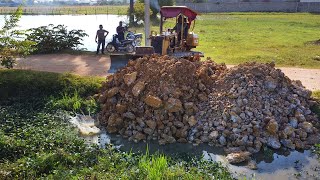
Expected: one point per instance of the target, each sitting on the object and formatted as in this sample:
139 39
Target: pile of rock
184 100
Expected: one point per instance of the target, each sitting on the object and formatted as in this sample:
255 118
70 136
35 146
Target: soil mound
185 100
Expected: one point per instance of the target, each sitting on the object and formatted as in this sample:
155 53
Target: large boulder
153 101
173 105
238 157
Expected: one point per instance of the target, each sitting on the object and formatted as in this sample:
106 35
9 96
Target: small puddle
271 165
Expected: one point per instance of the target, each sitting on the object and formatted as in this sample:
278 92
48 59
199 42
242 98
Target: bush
50 39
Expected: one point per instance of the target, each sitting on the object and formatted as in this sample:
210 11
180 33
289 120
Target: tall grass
316 109
154 167
75 103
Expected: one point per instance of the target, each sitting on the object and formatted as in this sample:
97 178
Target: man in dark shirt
101 38
120 31
181 26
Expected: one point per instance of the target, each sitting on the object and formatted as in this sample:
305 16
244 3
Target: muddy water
271 165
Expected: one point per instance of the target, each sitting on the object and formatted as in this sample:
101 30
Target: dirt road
97 65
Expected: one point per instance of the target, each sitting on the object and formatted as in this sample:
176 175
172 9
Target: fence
313 7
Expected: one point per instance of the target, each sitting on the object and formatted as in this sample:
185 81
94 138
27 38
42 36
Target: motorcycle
127 45
131 41
137 37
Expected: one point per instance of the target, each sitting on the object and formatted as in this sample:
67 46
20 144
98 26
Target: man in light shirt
101 39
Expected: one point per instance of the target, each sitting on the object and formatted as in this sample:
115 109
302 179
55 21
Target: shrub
50 39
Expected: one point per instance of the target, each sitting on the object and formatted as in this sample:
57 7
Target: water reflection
283 164
88 23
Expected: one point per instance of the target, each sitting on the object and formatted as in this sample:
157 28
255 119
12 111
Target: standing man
120 31
101 36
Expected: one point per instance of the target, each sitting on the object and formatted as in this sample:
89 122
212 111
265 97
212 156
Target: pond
88 23
280 164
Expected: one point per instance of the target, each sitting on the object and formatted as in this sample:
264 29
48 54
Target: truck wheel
129 48
110 48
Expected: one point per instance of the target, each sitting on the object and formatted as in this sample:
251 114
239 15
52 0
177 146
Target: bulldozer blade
119 61
187 54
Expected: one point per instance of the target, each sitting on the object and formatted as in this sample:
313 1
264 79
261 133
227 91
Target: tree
156 4
138 11
13 43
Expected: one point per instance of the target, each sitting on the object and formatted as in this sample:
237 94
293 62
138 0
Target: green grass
316 109
45 89
316 96
36 142
68 10
264 37
154 167
235 38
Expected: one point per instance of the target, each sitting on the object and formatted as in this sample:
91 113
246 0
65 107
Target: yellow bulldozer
177 41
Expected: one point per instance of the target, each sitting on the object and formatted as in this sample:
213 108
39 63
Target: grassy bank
36 142
38 89
67 10
316 109
316 95
285 38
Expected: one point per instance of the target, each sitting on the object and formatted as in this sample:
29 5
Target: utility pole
131 17
147 21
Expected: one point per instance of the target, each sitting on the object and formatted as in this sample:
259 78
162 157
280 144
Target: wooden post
131 17
147 21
